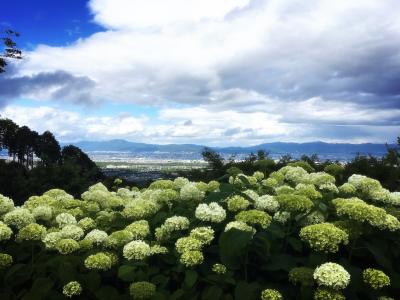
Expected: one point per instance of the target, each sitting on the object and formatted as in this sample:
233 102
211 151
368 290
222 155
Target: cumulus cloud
245 70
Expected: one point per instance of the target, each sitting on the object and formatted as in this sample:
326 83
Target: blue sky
232 72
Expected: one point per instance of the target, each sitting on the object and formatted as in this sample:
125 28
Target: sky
219 73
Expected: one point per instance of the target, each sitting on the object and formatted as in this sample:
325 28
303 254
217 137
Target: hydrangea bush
295 234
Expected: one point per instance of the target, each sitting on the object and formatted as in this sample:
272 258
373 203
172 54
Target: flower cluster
212 212
242 226
254 217
118 238
96 236
332 275
375 278
72 288
192 258
294 203
267 203
6 204
99 261
324 237
170 225
64 219
136 250
19 217
188 244
203 234
189 192
237 203
31 232
219 269
323 293
6 260
5 232
307 190
142 290
67 246
357 210
270 294
139 229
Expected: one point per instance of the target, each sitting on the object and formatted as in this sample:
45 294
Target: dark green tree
9 48
48 149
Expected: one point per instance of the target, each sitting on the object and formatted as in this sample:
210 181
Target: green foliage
184 240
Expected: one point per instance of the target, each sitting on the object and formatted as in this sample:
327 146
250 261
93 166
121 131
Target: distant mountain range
327 150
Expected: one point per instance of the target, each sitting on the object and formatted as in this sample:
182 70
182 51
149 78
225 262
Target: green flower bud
142 290
375 278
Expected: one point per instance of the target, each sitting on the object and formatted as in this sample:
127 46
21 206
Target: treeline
386 169
37 163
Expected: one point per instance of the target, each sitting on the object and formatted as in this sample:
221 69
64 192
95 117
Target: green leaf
190 278
295 243
232 245
212 292
126 273
107 293
247 291
281 262
39 289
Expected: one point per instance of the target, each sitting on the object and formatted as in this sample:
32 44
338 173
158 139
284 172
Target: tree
215 161
8 132
10 50
48 149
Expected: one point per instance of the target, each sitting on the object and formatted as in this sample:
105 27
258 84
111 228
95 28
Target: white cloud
249 70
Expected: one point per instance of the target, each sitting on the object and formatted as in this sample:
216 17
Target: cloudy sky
226 72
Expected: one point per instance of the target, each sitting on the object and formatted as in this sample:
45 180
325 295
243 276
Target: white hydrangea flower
266 202
189 192
97 236
251 194
72 232
6 204
136 250
240 226
43 212
332 275
65 219
281 216
212 212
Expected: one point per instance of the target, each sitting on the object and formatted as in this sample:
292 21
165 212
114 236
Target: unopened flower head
118 238
139 229
72 288
136 250
237 203
254 217
323 293
192 258
98 261
142 290
87 224
213 186
6 260
212 212
324 237
294 203
67 246
375 278
332 275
